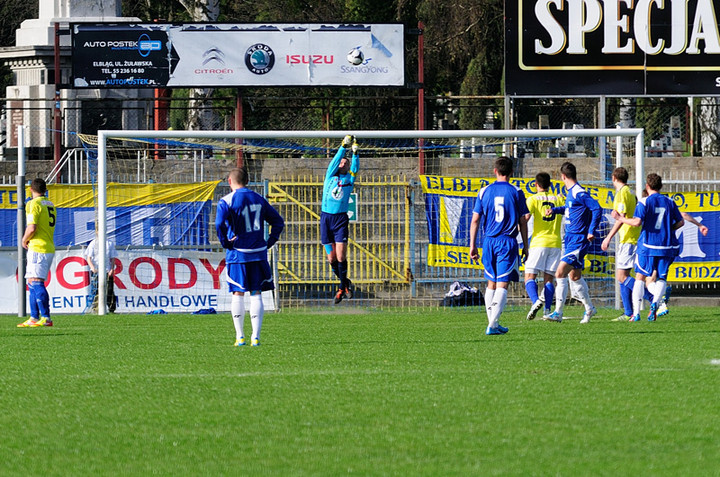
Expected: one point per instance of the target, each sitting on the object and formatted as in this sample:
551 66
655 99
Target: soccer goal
435 175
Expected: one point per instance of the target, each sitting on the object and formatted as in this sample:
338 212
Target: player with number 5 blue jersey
499 212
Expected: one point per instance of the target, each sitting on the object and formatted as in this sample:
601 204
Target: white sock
561 291
660 287
489 295
637 295
237 309
651 287
257 311
582 292
499 305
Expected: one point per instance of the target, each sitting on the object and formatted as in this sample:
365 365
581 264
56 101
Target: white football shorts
38 264
542 259
625 256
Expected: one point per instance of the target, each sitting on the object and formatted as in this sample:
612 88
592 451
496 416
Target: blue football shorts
575 247
249 276
500 259
647 264
333 228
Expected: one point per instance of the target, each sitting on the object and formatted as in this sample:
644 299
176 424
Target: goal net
409 216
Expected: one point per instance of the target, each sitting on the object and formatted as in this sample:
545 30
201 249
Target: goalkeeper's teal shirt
337 187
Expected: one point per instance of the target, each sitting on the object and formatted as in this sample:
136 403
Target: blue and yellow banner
449 202
146 214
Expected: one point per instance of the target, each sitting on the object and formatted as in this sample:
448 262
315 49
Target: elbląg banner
449 203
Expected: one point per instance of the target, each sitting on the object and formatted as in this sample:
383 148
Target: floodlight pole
20 182
421 96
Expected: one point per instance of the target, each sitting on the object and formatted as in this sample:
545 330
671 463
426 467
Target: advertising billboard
612 47
229 55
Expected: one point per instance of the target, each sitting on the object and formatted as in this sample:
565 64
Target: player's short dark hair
39 186
504 166
568 169
239 175
621 174
543 180
654 181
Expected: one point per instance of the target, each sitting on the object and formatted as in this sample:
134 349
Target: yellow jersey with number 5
42 213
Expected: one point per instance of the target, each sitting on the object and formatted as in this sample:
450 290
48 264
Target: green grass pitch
364 392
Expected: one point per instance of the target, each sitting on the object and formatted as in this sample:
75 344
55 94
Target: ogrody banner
449 203
175 281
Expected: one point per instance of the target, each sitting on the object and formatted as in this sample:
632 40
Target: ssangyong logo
259 59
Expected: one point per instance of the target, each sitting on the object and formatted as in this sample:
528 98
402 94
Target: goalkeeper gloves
355 147
347 141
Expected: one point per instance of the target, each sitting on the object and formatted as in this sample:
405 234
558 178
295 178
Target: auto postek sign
612 47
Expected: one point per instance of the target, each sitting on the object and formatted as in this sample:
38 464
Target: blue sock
43 299
626 289
549 292
532 290
34 310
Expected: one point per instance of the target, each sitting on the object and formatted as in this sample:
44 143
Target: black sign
612 47
130 57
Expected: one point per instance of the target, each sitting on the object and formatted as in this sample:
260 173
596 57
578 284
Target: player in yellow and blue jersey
658 245
545 244
38 239
582 217
334 221
240 224
500 210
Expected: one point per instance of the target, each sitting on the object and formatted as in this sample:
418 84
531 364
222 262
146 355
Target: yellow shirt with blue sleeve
546 230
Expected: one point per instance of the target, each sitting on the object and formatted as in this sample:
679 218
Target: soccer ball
355 56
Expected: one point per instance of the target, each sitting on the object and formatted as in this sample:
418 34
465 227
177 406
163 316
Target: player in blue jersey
582 217
499 212
334 221
658 245
240 224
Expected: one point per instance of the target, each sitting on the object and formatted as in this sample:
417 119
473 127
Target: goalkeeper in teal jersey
338 185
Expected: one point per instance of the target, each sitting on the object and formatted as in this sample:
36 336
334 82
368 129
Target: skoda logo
259 59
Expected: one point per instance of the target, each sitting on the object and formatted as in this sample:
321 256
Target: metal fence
680 126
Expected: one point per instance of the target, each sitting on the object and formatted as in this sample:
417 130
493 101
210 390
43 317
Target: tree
12 14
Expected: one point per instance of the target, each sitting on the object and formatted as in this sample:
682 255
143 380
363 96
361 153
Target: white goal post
505 135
